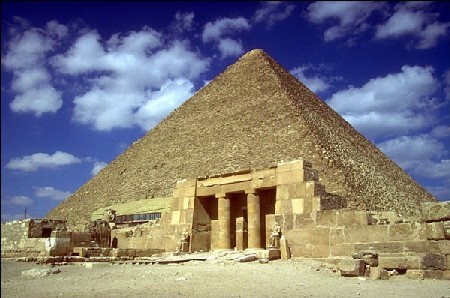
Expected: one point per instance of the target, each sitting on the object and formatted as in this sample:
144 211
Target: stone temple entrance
233 220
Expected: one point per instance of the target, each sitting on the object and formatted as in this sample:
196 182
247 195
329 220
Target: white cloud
25 57
98 166
219 32
130 79
409 151
315 83
21 200
351 16
214 31
163 101
35 161
413 20
272 12
230 47
423 156
393 105
51 193
441 132
184 21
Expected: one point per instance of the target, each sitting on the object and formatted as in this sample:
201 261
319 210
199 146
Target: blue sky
81 81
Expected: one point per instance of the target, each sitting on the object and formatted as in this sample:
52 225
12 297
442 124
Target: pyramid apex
254 52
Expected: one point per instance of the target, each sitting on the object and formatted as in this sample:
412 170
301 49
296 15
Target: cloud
441 192
272 12
124 74
219 31
21 200
35 161
230 47
411 19
25 57
98 166
315 83
184 21
214 31
51 193
392 105
441 132
351 16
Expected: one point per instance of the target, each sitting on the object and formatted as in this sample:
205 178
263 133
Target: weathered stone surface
378 273
40 272
435 211
400 262
370 257
351 267
434 261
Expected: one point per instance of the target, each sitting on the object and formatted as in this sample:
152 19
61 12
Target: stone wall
421 246
28 238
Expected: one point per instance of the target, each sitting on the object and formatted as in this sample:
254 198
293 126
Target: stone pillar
254 220
224 221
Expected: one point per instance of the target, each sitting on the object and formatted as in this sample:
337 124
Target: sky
82 81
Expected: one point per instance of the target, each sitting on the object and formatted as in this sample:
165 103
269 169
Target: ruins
254 161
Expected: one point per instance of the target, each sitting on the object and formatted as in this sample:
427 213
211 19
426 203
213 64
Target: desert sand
214 277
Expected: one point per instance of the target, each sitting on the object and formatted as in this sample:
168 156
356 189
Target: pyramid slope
252 115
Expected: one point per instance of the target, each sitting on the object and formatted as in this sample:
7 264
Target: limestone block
297 206
326 218
351 267
352 218
401 262
378 233
447 261
444 246
434 261
415 274
404 231
274 253
283 192
418 246
285 250
337 236
435 211
341 250
447 229
370 257
382 247
378 273
176 215
435 230
433 274
354 234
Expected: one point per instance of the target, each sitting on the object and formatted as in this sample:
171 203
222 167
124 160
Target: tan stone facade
244 210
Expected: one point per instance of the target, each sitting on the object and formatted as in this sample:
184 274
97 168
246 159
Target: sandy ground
210 278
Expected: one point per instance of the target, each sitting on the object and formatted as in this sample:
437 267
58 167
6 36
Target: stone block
435 211
351 267
297 206
274 254
447 261
400 262
370 257
404 232
415 274
444 246
382 247
433 274
352 218
337 237
284 248
354 234
341 250
378 233
434 261
435 230
419 246
326 218
378 273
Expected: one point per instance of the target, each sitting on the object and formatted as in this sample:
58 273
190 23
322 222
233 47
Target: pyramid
251 116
